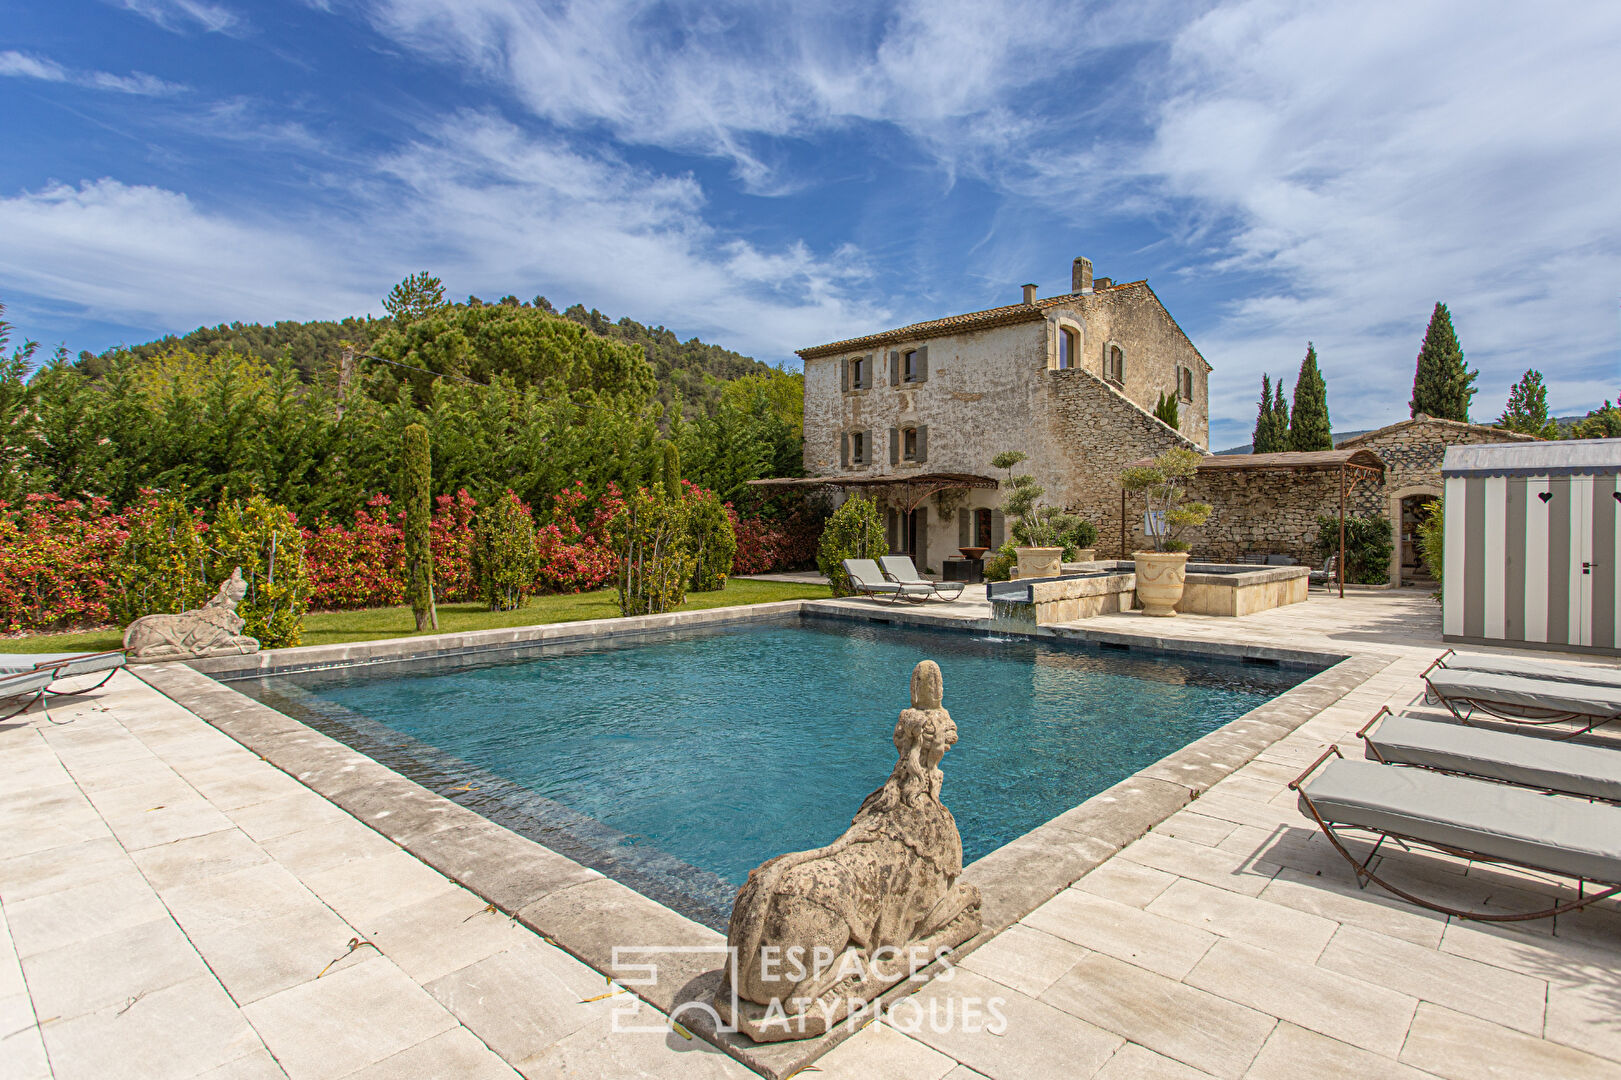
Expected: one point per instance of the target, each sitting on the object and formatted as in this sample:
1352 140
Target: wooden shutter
894 369
867 372
844 375
920 557
866 448
923 442
920 369
965 528
889 528
894 445
844 449
998 529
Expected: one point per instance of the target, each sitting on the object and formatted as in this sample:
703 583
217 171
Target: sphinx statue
817 934
215 629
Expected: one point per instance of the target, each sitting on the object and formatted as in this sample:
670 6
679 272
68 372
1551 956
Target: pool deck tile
1188 923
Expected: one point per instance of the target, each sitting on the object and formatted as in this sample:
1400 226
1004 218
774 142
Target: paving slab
1458 1047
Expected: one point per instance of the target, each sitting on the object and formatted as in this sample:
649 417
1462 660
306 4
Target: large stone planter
1160 578
1040 561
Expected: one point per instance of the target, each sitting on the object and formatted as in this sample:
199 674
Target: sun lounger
66 666
25 686
1519 700
901 570
1588 772
868 580
1466 817
1551 670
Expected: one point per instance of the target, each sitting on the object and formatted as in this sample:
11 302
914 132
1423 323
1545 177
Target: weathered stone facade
992 381
1275 512
1412 452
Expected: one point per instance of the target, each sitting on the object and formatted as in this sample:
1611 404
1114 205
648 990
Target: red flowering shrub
766 545
451 541
360 567
571 549
56 562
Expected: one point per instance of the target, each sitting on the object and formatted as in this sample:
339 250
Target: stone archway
1393 511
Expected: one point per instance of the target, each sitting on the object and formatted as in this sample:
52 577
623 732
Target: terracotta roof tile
951 324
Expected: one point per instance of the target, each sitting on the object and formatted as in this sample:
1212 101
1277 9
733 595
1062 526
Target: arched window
1114 363
1067 350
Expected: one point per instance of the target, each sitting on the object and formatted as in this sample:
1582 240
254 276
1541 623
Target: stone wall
1412 451
1262 513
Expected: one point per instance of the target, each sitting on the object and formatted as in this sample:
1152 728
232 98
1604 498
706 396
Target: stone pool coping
616 929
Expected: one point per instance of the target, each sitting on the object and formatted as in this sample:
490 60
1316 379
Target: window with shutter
1114 363
909 444
857 448
909 365
1066 348
857 367
1185 383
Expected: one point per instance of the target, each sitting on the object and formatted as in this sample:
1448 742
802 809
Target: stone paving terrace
169 902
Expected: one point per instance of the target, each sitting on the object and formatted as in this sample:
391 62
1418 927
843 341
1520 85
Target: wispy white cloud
25 66
180 16
489 208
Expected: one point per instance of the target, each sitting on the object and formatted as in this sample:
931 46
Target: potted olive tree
1162 573
1035 530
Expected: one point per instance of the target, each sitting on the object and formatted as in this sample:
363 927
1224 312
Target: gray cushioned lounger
1591 771
20 689
80 663
1565 836
1516 692
1551 670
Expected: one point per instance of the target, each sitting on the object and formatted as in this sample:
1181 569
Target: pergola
1353 467
909 489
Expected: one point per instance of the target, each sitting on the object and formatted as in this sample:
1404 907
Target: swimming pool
677 762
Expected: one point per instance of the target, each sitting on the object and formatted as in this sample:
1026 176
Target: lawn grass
372 624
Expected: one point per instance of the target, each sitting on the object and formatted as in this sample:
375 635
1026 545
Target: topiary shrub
1368 546
504 552
266 542
712 538
162 566
855 531
416 498
650 540
999 567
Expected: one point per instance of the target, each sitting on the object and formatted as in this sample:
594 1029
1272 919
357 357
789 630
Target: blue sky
770 176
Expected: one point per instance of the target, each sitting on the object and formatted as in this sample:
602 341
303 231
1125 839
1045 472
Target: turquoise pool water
677 763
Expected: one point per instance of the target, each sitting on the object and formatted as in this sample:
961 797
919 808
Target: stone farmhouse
914 415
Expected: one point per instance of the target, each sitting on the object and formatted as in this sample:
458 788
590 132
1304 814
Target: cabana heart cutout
1544 495
1616 495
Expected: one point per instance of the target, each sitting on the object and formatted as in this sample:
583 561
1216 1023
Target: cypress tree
417 497
1442 382
672 471
1309 429
1280 420
1260 438
1168 412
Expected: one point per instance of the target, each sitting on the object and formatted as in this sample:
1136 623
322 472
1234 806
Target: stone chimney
1080 275
1029 294
1102 283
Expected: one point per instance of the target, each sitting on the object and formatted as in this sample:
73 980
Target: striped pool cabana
1533 544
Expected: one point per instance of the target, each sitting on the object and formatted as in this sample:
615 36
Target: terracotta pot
1160 578
1040 561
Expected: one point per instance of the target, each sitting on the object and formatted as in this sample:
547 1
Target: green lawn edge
374 624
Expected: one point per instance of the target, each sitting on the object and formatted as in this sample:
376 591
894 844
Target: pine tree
1261 437
1442 382
1309 429
1527 410
417 497
416 296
